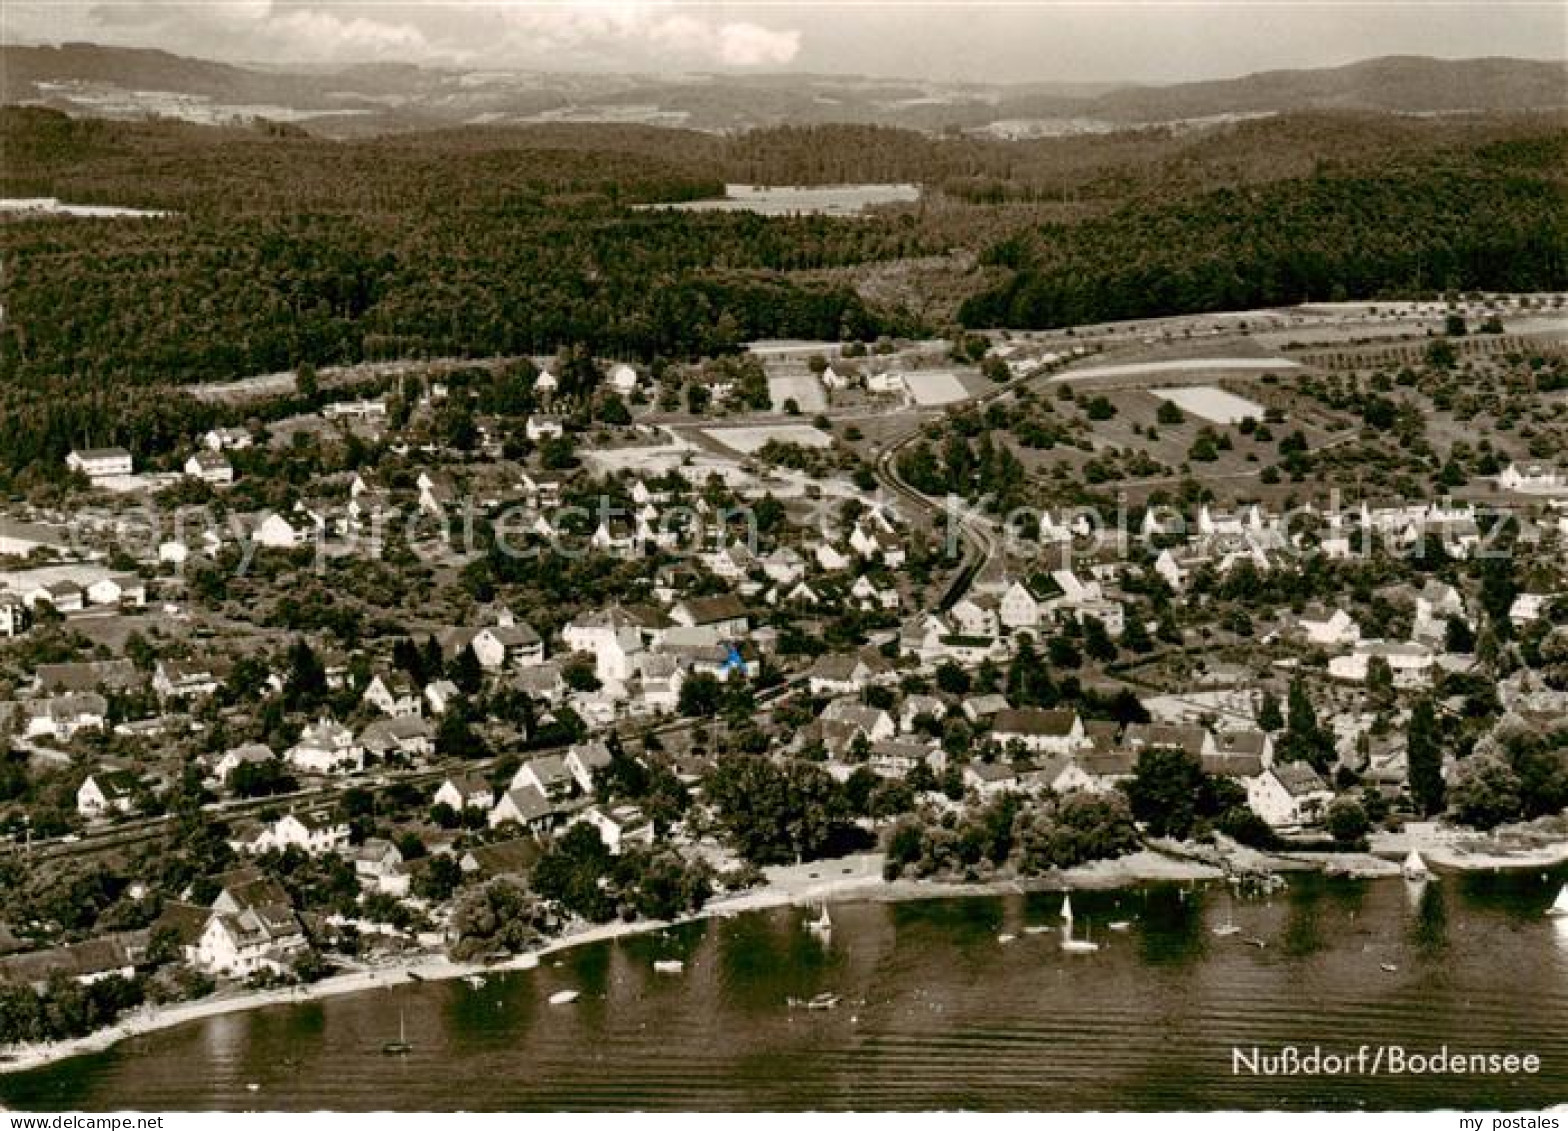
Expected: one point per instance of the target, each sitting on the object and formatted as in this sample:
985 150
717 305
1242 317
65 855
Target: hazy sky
1156 40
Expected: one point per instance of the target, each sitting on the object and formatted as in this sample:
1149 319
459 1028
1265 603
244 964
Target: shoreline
858 879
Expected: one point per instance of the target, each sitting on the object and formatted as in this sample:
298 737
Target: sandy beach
849 879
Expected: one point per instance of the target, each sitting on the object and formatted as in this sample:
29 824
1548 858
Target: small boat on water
668 966
1253 940
822 924
1228 928
564 997
1120 924
1005 938
1036 929
1559 909
1388 967
823 1000
476 980
399 1047
1070 944
1415 869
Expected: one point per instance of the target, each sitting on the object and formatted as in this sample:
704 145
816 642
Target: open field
802 200
1181 365
750 440
802 388
937 387
1211 404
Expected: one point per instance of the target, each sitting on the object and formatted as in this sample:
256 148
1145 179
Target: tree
1169 413
1304 740
1380 683
306 382
776 814
437 879
1270 717
1424 756
1165 789
700 696
1485 792
1347 821
1458 637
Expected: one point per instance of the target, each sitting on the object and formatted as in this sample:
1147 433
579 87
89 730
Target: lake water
936 1013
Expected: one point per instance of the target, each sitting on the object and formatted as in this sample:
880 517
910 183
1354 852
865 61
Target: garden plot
1212 404
752 440
802 388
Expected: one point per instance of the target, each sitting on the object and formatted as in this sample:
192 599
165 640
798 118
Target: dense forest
1488 219
281 248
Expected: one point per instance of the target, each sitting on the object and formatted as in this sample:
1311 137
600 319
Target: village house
586 759
1411 663
1531 477
1289 795
14 615
230 439
619 826
378 865
393 693
83 963
541 426
846 673
526 806
465 791
249 754
1046 732
915 706
440 695
251 928
895 758
400 736
100 463
105 792
20 539
1324 629
513 645
62 717
210 467
548 774
312 833
1195 740
327 747
724 614
187 679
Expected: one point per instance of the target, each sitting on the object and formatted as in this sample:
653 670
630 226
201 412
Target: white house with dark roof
100 463
526 806
210 467
106 791
327 747
465 791
312 833
1046 732
1289 795
393 693
586 759
513 645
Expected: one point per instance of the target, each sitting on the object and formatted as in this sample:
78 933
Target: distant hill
1396 84
113 82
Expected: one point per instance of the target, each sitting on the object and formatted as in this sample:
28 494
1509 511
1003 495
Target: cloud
681 36
623 35
262 30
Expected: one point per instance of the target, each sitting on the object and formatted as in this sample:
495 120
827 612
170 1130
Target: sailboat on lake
399 1047
1070 944
1415 869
